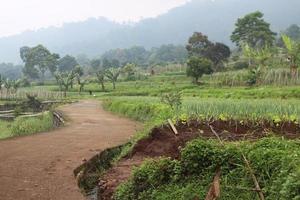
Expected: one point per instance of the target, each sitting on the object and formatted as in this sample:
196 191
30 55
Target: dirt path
41 166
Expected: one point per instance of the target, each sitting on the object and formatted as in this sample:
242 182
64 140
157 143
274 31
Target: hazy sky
20 15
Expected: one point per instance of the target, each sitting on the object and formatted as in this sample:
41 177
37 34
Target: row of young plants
153 109
275 161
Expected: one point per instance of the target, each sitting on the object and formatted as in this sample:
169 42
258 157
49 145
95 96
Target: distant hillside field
95 36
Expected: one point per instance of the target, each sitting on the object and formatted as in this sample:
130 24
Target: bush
152 173
202 156
172 99
253 76
197 67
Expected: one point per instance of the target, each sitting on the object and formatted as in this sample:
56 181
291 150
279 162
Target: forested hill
94 36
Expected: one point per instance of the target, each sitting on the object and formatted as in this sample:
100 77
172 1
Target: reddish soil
163 142
40 166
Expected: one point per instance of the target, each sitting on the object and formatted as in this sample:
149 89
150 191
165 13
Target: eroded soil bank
163 142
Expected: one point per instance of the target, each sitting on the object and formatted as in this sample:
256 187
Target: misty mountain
95 36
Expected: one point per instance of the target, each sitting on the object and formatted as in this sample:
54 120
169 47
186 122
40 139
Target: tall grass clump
4 129
139 110
27 126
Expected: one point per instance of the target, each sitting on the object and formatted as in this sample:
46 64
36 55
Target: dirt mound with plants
162 141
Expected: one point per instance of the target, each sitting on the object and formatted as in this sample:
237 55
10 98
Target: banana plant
15 84
293 52
259 56
7 85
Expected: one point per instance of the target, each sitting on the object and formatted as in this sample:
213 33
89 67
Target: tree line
254 40
252 35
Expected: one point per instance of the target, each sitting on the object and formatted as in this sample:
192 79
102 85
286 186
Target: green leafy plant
172 99
253 76
293 51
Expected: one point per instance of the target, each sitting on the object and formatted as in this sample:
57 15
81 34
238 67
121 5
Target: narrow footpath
40 167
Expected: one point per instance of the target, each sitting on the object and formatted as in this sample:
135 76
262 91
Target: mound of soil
163 142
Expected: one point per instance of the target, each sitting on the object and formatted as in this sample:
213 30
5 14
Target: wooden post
214 190
257 187
173 127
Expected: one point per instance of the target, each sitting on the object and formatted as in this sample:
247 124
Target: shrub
253 76
201 156
151 173
197 67
172 99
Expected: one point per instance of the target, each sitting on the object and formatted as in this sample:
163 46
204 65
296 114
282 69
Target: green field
216 108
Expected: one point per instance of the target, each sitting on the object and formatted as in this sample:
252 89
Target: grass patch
26 126
5 129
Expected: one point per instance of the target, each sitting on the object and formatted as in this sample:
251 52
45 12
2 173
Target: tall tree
24 53
293 32
217 53
199 45
253 30
67 63
38 60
